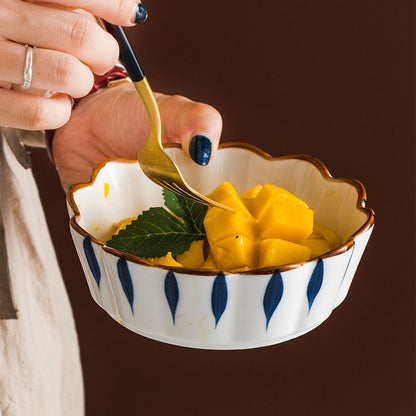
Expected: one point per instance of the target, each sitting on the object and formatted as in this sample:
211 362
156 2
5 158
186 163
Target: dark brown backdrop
329 78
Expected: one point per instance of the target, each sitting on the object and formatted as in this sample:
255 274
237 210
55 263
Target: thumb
196 126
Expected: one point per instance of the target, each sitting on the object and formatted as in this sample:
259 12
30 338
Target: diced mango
318 246
248 197
223 191
326 233
227 195
210 262
219 224
270 194
275 252
292 223
269 227
167 260
194 257
235 252
252 192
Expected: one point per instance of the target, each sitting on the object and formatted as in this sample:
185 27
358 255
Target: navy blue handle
127 56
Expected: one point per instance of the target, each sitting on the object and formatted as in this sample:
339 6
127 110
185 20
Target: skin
110 123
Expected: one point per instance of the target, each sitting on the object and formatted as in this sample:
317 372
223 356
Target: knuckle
36 116
176 100
201 110
81 33
20 16
71 76
64 71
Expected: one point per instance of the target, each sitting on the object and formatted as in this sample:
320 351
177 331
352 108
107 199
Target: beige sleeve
17 140
25 137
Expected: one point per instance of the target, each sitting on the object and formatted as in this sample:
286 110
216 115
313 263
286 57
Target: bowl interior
121 190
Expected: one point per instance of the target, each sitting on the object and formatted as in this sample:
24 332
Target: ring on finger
27 72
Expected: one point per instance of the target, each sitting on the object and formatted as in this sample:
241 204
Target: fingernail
200 149
139 13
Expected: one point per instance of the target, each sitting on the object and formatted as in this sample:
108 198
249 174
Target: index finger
117 12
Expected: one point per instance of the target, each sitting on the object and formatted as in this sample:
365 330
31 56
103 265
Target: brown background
333 79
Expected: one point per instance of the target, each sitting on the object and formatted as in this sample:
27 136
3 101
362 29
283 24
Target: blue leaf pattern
219 297
92 260
349 261
273 295
125 280
172 292
315 282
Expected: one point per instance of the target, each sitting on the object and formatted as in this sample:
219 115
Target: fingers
33 112
118 12
52 70
196 126
59 30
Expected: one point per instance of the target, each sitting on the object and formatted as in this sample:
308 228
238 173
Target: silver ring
27 72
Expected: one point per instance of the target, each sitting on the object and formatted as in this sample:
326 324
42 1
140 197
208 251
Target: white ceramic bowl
213 310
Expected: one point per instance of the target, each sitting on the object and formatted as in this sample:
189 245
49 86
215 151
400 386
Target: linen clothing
40 370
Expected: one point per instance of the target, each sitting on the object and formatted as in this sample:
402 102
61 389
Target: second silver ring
27 72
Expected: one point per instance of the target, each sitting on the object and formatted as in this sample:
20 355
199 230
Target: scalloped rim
361 200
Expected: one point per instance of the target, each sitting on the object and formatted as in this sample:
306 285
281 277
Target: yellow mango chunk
220 223
210 262
194 257
292 223
268 227
227 195
326 233
275 252
235 252
167 260
270 194
318 246
248 197
252 192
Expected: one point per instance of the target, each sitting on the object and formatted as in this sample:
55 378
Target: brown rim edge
231 145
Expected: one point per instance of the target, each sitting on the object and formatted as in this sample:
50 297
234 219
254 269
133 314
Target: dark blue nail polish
200 149
141 13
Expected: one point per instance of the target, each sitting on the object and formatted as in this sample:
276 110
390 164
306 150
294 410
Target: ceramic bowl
212 309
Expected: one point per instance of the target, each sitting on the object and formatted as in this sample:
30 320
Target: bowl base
213 346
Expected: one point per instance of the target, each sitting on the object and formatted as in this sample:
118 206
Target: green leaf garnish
156 231
192 213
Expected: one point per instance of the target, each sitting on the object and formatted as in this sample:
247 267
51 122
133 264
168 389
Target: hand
69 47
113 123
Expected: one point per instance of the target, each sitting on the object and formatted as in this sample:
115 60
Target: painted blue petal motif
349 261
315 283
172 292
92 260
125 280
273 295
219 296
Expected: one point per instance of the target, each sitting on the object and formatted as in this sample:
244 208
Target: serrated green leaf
173 203
154 233
190 211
